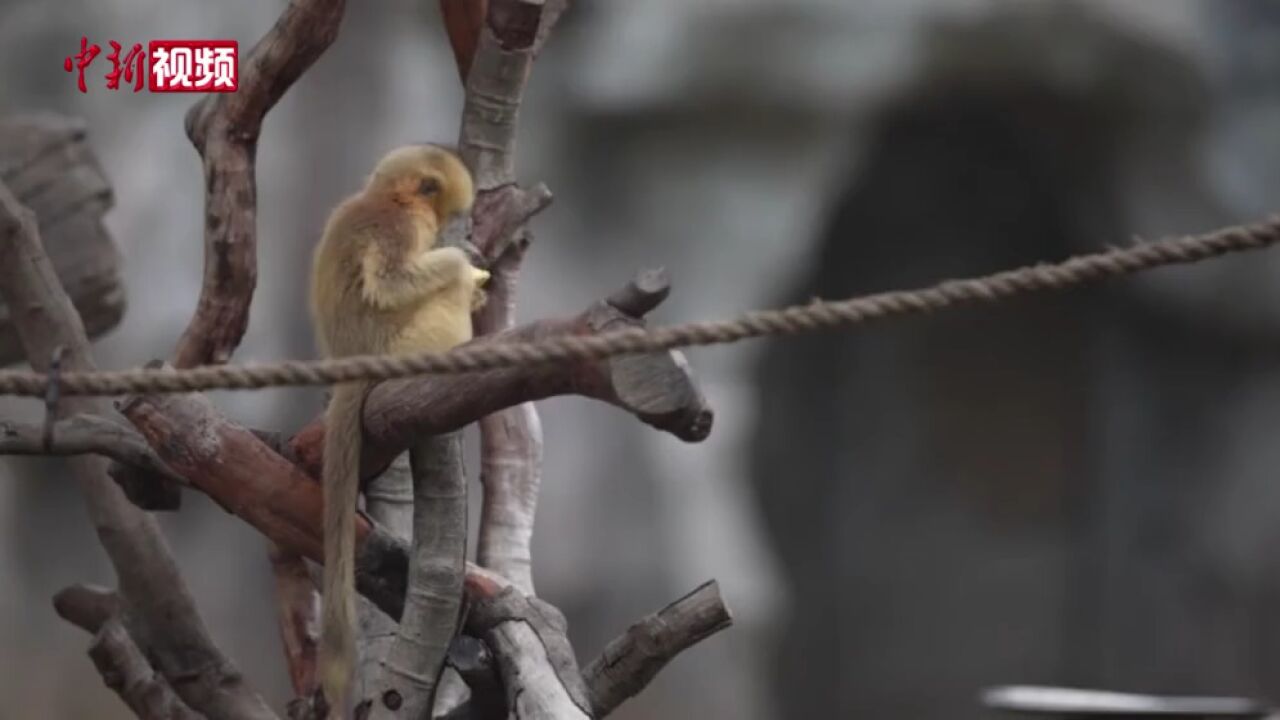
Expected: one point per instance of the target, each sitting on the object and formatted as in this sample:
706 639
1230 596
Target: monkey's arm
388 284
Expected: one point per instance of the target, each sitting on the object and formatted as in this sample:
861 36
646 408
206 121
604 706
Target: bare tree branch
84 434
657 388
167 625
632 660
297 608
495 86
122 664
224 128
125 670
406 685
388 502
528 639
511 439
510 452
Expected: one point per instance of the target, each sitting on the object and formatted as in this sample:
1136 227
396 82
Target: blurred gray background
1074 489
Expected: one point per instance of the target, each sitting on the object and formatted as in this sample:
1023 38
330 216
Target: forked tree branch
626 665
125 670
531 650
164 621
122 664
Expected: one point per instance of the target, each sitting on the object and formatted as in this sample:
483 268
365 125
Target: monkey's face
427 178
420 190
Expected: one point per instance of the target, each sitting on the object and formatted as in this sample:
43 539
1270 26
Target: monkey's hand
478 296
391 282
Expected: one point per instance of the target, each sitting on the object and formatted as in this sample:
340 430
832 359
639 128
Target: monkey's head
425 177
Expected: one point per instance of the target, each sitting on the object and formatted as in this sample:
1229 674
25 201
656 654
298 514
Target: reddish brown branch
230 464
462 22
297 608
224 128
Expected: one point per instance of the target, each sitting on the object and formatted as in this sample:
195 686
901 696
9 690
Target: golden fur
380 285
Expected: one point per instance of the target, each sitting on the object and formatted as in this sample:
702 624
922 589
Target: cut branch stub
87 606
645 292
632 660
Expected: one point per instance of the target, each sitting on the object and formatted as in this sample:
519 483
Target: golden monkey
379 285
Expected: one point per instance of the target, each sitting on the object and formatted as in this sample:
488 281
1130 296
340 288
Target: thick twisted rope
818 315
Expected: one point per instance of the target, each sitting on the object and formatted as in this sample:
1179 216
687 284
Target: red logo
82 59
194 66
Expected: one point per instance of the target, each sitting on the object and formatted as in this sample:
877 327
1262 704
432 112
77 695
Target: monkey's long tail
342 438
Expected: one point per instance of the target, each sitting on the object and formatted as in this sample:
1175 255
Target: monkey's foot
478 299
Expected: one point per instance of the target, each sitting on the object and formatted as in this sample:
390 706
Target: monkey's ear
429 186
